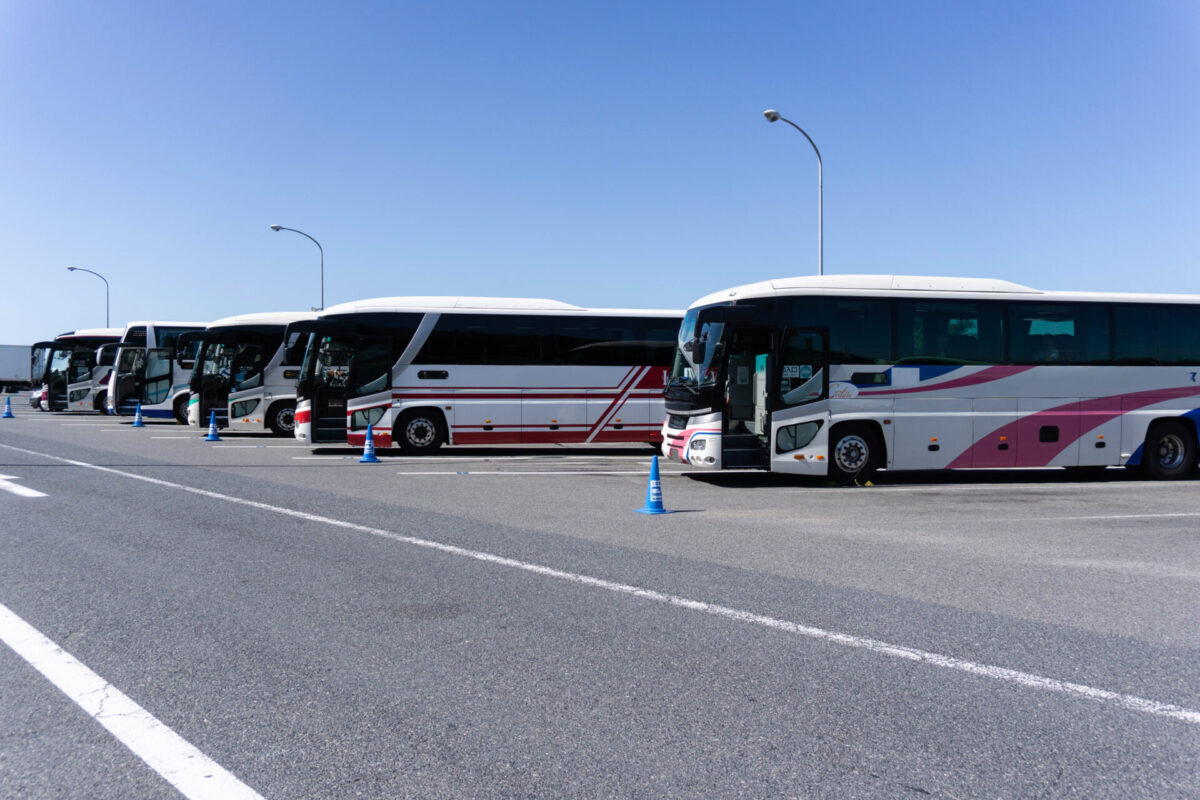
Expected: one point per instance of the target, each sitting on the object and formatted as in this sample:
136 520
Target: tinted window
166 337
1154 334
1059 333
296 344
613 341
370 366
484 339
1179 335
940 332
860 331
136 336
543 339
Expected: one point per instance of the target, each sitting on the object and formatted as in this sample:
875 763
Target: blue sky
604 154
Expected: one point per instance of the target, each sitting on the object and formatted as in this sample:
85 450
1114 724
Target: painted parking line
874 646
194 774
1123 516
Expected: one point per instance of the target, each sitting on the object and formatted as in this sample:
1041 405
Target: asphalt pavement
498 623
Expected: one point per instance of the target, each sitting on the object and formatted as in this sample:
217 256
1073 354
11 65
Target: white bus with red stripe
842 375
428 371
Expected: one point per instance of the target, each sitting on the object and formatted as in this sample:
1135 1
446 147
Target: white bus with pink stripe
843 375
428 371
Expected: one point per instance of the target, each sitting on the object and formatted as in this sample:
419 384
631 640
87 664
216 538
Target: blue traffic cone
369 449
137 417
7 409
212 428
654 500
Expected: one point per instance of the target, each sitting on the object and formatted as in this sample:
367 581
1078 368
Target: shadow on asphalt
1049 476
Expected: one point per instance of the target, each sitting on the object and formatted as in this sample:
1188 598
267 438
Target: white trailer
14 367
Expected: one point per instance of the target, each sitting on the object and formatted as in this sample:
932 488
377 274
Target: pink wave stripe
983 376
1073 420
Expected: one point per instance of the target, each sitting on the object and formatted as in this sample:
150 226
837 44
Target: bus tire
420 431
180 409
1170 450
855 452
100 404
281 418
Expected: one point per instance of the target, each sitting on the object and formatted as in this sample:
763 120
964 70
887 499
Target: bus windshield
696 353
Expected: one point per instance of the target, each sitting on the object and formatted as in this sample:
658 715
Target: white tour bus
427 371
148 373
69 373
245 372
840 375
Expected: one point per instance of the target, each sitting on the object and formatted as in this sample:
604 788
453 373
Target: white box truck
14 367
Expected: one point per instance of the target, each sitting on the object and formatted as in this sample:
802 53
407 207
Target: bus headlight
698 444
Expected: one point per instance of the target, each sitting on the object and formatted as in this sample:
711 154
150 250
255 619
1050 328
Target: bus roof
164 324
280 318
499 305
92 333
932 286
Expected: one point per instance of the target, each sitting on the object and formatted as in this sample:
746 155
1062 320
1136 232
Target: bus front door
124 385
747 418
156 379
330 390
79 387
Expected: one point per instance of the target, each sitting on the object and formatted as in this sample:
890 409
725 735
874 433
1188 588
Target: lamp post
101 277
322 249
772 115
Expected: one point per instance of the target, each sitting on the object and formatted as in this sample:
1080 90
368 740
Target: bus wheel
854 453
281 419
101 403
1170 451
181 404
419 431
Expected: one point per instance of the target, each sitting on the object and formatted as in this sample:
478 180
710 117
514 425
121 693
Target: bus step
733 458
743 450
330 429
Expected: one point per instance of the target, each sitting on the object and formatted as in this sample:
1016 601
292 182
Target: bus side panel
1048 432
381 430
554 403
1100 424
994 434
930 432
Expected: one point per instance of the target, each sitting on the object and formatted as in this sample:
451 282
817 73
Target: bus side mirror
698 348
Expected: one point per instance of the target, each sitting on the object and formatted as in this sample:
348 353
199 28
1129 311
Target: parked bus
840 375
245 372
148 373
428 371
67 371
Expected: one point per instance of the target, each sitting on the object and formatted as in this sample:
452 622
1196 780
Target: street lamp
322 249
772 115
101 277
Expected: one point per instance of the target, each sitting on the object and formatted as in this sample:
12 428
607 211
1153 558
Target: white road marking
23 491
1002 674
194 774
1124 516
177 436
